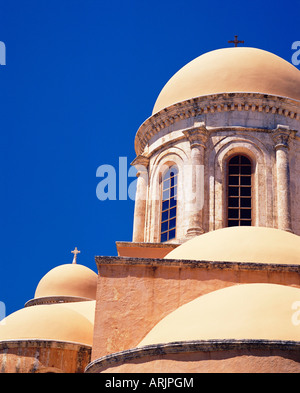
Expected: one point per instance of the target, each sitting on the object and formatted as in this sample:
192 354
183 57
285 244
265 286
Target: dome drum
220 111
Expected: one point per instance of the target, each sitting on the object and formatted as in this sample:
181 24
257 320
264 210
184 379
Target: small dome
246 311
59 322
242 244
231 70
68 280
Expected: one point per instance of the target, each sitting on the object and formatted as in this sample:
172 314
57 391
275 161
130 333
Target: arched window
169 204
239 191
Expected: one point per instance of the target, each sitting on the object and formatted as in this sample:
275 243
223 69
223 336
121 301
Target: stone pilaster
141 164
197 137
281 136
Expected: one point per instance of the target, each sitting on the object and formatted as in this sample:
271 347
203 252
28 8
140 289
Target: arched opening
169 204
239 191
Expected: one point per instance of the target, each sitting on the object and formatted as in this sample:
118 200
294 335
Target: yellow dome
242 244
68 280
72 322
248 311
231 70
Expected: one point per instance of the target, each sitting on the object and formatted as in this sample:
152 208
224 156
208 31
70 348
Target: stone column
141 164
281 136
197 137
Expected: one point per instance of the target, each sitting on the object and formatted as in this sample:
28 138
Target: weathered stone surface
238 356
43 356
134 294
235 123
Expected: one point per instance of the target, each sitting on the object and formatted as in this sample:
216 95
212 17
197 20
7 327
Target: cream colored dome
72 322
68 280
231 70
242 244
248 311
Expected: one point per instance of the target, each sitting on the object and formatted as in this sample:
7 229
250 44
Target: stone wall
39 356
134 294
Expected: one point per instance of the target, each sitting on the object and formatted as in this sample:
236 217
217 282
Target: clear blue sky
81 76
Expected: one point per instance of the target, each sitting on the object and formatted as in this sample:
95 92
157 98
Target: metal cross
236 41
75 252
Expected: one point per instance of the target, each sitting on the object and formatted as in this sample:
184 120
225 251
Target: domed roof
59 322
247 311
242 244
231 70
68 280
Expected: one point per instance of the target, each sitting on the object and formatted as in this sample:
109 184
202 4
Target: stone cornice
180 263
55 300
147 244
150 351
38 343
223 102
140 161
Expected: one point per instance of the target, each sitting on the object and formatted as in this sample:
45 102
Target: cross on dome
75 252
236 41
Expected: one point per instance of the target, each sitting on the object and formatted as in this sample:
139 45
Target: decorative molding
39 343
55 300
197 135
216 103
140 160
141 163
182 263
147 245
160 350
282 135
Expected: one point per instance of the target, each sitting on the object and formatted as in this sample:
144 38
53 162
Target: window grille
239 191
169 205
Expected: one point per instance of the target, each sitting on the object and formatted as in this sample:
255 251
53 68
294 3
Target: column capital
141 164
281 136
197 135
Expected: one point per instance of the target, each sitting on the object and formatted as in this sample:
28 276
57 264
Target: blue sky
80 78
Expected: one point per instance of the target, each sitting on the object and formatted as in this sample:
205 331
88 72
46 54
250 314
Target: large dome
231 70
68 280
71 322
247 311
242 244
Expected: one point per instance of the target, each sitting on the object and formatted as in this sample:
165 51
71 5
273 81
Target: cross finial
75 252
236 41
